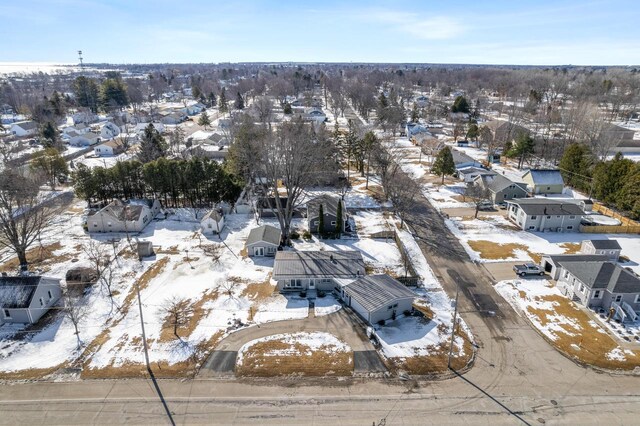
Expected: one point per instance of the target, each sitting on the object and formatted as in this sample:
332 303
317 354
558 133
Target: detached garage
378 297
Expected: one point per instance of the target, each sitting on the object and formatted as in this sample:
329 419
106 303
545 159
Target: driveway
341 324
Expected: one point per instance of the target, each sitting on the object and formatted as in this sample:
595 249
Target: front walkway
221 362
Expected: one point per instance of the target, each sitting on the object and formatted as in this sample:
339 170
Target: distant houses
543 214
24 128
25 299
117 216
109 148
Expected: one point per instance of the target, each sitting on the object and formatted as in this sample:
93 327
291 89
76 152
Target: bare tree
176 311
75 309
214 251
98 254
477 193
24 215
264 108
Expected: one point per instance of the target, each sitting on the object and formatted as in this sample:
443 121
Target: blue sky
541 32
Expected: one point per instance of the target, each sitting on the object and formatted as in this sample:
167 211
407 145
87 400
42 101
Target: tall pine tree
443 164
339 220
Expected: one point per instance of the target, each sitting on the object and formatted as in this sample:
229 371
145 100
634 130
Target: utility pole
144 336
453 325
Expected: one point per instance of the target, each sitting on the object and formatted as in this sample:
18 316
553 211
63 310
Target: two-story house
542 214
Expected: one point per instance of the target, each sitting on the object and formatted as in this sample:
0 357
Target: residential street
517 378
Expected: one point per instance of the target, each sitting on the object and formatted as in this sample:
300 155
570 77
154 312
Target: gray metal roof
546 206
264 233
545 176
17 292
607 275
460 157
606 244
376 291
336 264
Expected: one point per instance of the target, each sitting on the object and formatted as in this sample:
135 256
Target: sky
522 32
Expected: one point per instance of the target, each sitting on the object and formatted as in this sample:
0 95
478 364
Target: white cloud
432 28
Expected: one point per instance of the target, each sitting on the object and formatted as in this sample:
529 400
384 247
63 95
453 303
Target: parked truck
528 269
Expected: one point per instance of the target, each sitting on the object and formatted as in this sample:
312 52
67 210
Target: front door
259 251
312 284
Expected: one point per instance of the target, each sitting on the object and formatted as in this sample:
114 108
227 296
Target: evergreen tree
49 134
415 114
443 164
86 93
460 104
629 196
239 103
212 99
222 102
473 132
321 220
382 101
287 108
575 166
204 120
113 94
524 146
339 220
609 177
152 145
50 164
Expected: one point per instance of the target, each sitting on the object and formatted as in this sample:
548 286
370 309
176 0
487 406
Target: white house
316 270
24 128
84 139
120 217
378 298
109 130
212 222
109 148
25 299
77 129
542 214
139 129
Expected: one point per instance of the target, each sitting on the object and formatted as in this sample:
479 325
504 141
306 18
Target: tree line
197 182
615 182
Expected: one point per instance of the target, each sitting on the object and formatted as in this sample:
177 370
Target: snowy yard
303 353
567 326
326 305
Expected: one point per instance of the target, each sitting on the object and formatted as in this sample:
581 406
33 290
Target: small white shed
212 222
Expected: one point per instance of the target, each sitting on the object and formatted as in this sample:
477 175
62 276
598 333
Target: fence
611 213
610 229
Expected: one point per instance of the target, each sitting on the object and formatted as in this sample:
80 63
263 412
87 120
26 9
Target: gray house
463 161
609 248
552 263
542 214
330 213
321 270
263 241
501 188
603 285
469 174
26 299
543 181
378 297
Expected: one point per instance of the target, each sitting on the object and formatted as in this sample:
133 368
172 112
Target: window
50 295
95 225
7 314
549 217
618 298
144 219
581 288
333 223
569 227
41 301
389 307
209 225
612 252
637 299
534 217
596 294
315 222
566 274
548 188
572 217
532 227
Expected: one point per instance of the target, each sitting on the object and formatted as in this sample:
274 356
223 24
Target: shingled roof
606 244
607 275
17 292
264 233
329 205
546 206
376 291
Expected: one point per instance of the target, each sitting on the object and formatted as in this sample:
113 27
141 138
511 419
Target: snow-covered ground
282 307
326 305
299 345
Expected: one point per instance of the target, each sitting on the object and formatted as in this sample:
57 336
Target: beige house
133 216
543 181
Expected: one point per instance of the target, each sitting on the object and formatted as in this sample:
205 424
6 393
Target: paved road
341 324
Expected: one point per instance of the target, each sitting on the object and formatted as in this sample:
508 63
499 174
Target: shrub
381 322
321 293
294 235
407 313
306 235
303 293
